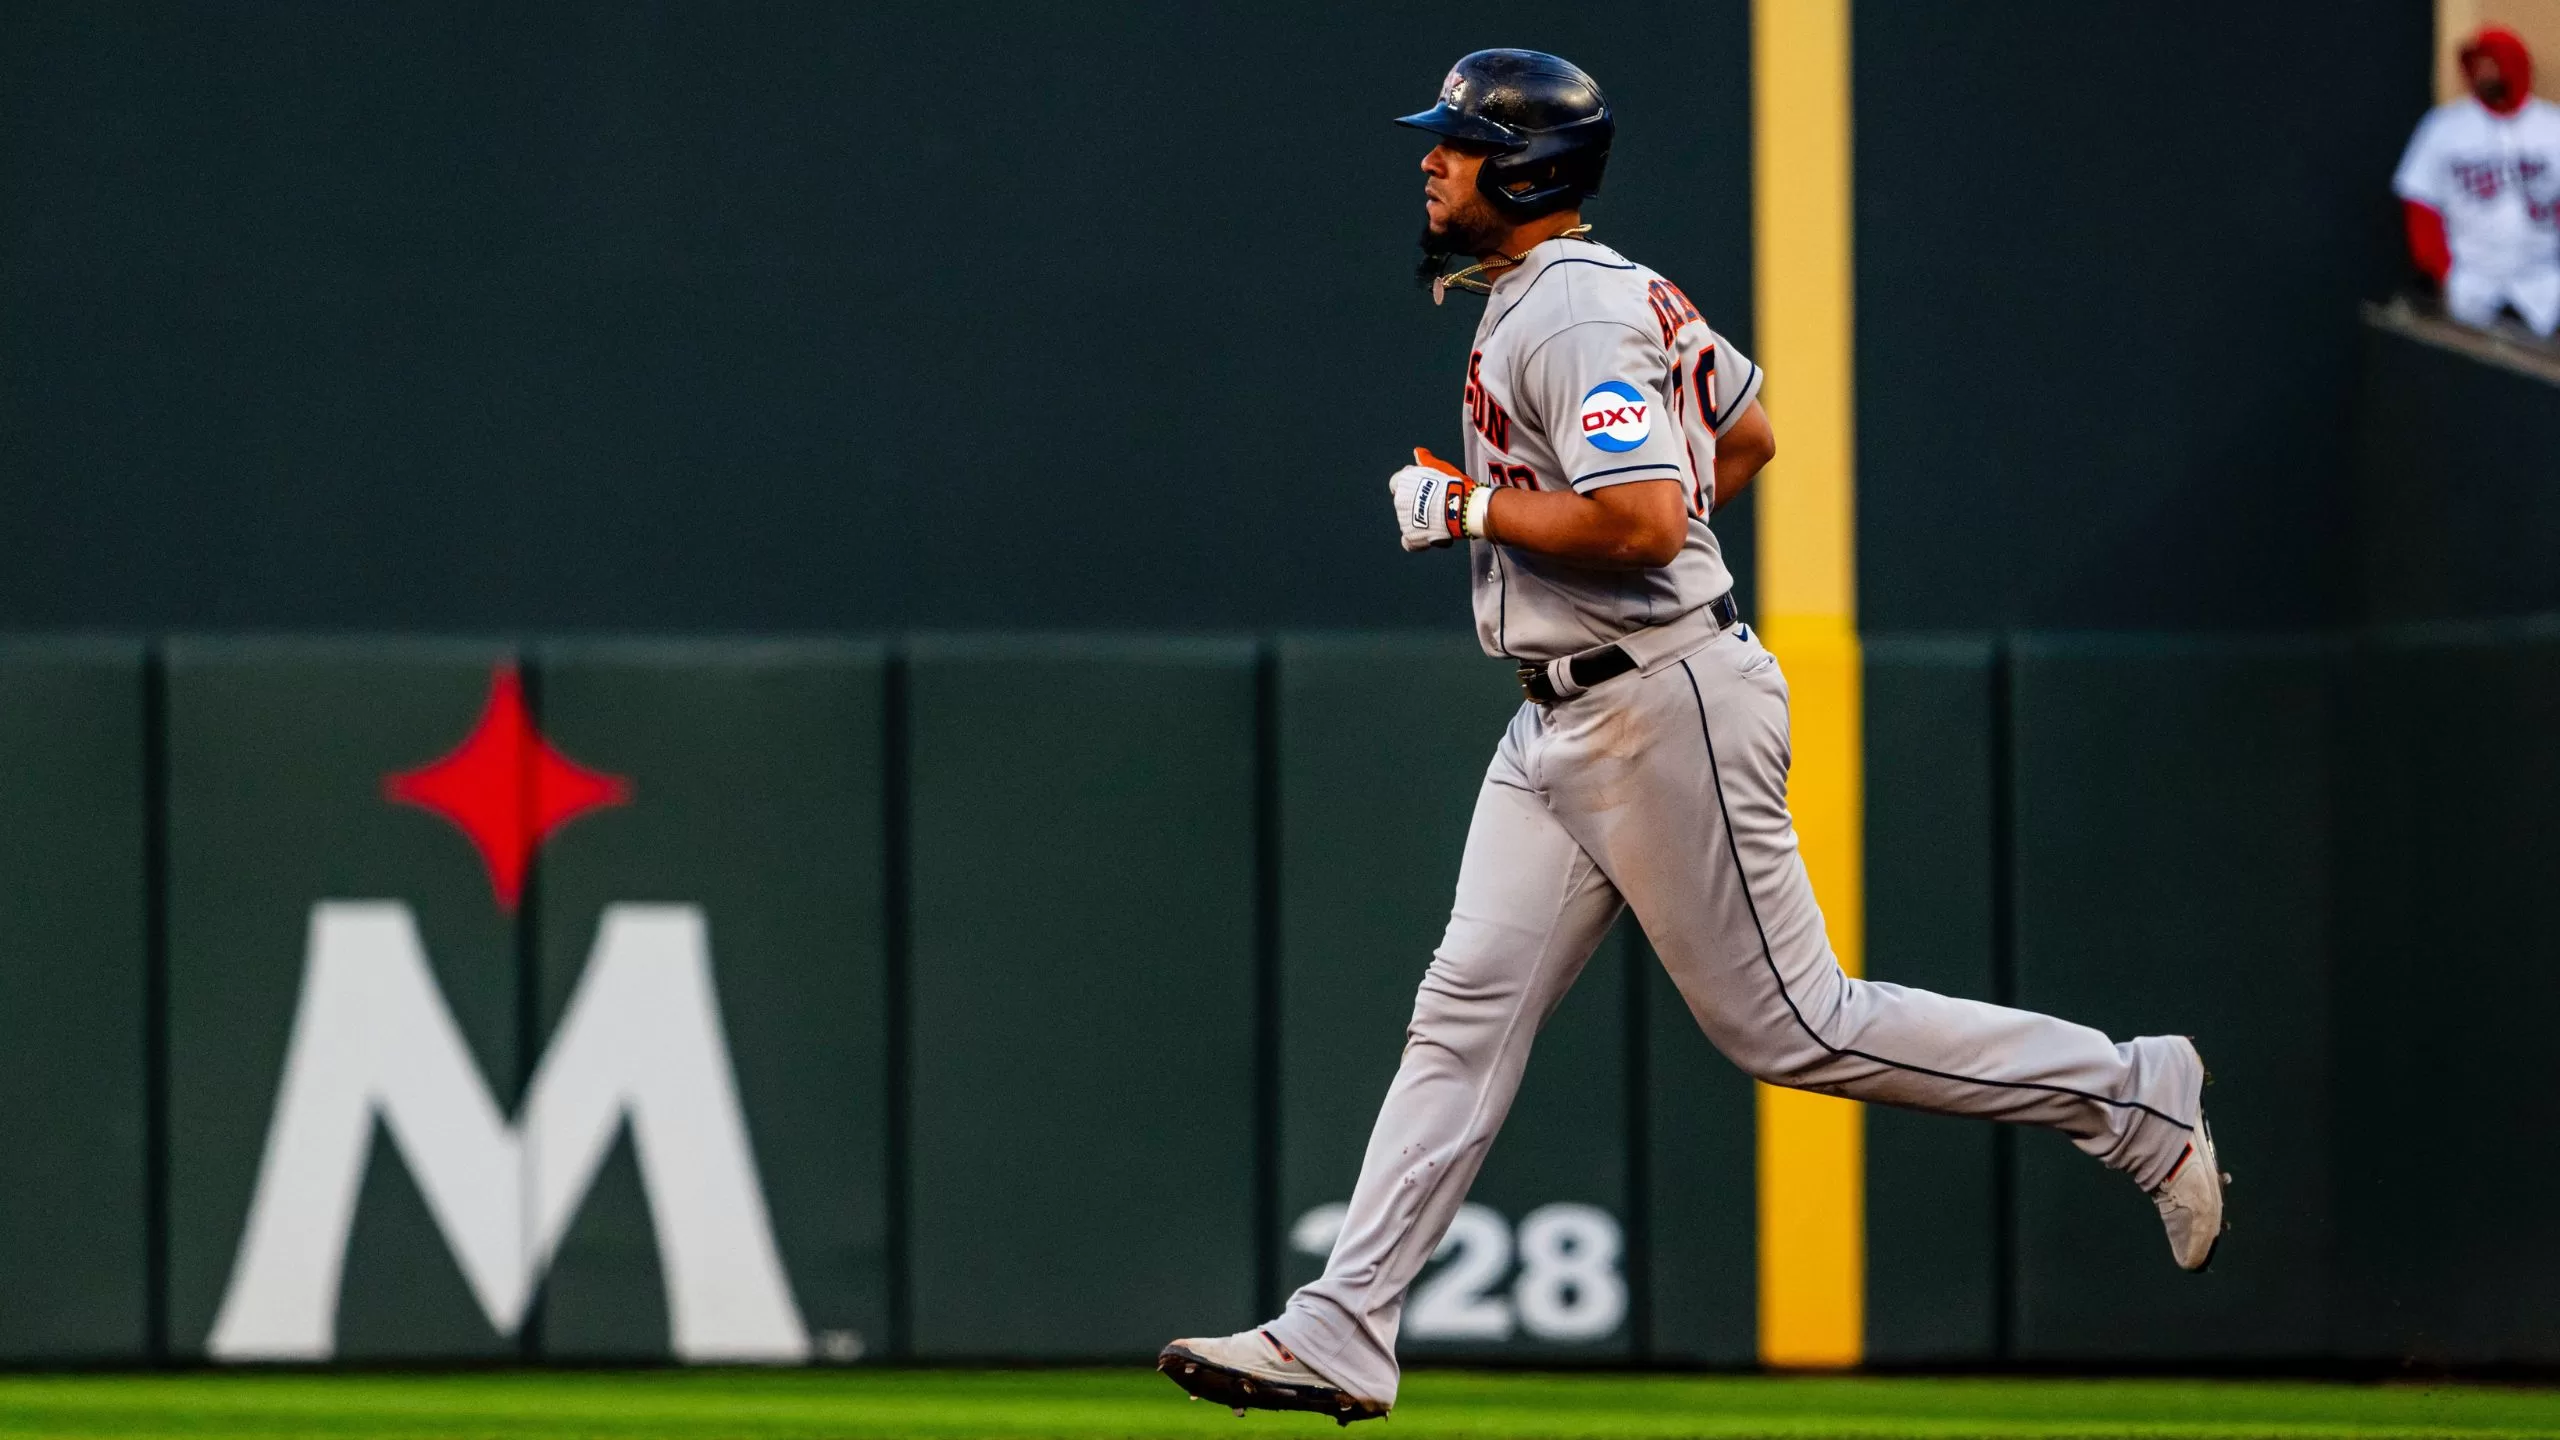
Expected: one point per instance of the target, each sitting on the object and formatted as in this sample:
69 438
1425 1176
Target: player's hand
1422 505
1432 503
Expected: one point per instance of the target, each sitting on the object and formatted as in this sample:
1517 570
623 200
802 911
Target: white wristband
1479 509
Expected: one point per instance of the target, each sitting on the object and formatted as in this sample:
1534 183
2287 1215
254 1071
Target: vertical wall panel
1083 997
1382 747
2172 878
277 754
2448 976
1702 1188
1933 1192
73 1232
757 797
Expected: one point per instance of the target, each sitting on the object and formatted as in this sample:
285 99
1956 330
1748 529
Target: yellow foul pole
1811 1158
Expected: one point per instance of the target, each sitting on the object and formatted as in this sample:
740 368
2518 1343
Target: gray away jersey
1590 370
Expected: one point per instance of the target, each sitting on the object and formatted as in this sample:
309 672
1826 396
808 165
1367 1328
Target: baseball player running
1604 422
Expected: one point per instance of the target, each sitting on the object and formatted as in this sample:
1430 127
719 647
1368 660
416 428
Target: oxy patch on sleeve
1616 416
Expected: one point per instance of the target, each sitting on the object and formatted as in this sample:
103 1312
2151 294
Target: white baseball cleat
1251 1370
2190 1200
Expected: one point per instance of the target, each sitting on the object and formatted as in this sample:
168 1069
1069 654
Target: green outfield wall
821 1002
79 1070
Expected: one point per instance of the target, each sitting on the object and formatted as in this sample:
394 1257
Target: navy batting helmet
1541 115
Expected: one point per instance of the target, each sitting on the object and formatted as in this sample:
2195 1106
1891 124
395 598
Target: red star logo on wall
506 788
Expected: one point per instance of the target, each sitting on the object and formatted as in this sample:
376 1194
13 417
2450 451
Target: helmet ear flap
1555 171
1523 197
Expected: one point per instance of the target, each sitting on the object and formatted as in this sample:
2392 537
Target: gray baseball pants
1666 789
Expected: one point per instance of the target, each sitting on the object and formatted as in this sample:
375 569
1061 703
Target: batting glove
1436 504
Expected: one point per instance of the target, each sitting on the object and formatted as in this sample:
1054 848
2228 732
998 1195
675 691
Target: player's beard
1473 234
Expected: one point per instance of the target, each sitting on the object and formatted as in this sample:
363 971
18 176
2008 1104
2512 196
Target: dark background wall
2458 515
2108 256
675 316
669 315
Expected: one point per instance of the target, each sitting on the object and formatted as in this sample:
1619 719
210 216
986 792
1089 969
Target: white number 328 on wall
1568 1287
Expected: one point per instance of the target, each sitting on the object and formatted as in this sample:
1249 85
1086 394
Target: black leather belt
1539 679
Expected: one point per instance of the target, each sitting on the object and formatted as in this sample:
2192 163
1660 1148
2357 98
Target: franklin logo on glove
1436 504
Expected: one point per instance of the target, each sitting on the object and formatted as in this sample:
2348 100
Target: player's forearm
1622 527
1741 451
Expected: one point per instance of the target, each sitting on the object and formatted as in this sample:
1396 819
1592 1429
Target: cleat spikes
1235 1373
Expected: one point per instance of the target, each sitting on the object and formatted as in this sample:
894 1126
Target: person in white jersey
1605 422
2480 190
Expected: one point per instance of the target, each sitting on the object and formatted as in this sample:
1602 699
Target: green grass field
1084 1403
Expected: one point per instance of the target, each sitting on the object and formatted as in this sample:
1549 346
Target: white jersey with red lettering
2496 180
1590 370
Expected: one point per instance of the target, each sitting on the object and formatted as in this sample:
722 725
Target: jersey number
1706 386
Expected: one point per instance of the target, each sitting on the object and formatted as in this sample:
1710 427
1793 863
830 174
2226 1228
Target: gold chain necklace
1472 277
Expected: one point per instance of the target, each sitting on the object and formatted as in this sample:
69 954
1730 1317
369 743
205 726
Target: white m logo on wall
641 1040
